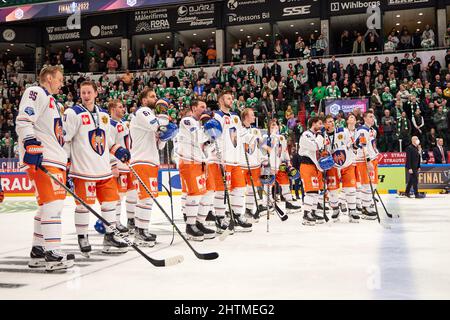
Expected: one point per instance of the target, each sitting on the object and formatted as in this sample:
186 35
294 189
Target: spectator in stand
236 53
211 55
170 61
428 40
92 53
346 43
440 153
405 40
359 46
321 45
278 50
112 65
440 122
372 44
93 65
388 123
18 65
418 125
189 61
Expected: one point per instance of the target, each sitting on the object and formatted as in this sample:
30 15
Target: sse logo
296 11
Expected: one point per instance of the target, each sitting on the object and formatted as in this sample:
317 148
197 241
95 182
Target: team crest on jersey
233 136
236 120
97 139
105 120
227 120
153 185
250 148
119 128
339 157
340 136
59 132
56 186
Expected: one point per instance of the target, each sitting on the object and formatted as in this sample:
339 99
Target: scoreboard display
13 3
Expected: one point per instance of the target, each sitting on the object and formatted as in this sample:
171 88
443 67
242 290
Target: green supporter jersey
393 85
318 93
160 92
187 100
386 97
252 102
181 74
181 91
161 64
333 92
171 91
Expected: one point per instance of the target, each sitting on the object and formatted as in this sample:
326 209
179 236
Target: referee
413 167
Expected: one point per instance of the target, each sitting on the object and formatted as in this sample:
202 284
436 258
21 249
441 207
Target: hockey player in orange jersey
89 144
40 133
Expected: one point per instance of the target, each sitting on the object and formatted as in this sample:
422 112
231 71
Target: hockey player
149 133
254 157
280 163
310 145
126 182
88 145
367 163
351 126
339 144
228 154
190 143
40 133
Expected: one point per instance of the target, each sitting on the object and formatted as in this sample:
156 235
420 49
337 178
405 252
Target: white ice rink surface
334 261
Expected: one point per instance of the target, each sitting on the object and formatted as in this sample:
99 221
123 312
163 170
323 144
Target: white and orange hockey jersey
370 150
279 151
144 137
88 142
339 145
120 135
254 154
190 141
309 146
232 138
40 117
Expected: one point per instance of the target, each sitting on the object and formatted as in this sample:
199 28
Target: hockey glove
293 173
122 154
33 153
283 167
168 132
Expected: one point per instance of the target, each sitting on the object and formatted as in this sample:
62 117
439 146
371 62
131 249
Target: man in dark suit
439 152
413 167
275 71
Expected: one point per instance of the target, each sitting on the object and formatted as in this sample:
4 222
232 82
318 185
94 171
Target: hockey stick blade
198 255
207 256
155 262
283 216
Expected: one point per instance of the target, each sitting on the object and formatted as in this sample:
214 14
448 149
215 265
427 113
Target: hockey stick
283 216
202 256
257 213
170 187
157 263
226 232
384 207
324 193
373 195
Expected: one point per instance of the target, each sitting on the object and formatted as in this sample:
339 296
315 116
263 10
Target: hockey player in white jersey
254 158
40 133
228 154
280 163
149 133
366 142
338 143
88 145
310 145
126 182
191 141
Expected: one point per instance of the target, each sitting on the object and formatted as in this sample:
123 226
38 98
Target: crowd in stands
407 98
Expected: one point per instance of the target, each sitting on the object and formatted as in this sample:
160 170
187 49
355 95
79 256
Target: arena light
194 34
397 24
168 37
398 16
312 23
260 28
241 30
291 25
420 13
419 22
203 40
12 44
213 32
296 32
150 38
107 42
162 44
267 35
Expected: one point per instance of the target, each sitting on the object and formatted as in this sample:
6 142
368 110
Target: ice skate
143 238
242 225
194 233
85 247
121 228
353 216
367 214
222 224
131 226
113 244
208 233
308 219
37 257
57 260
335 215
319 218
292 208
210 219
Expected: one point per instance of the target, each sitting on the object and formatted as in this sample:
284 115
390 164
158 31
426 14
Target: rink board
392 179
